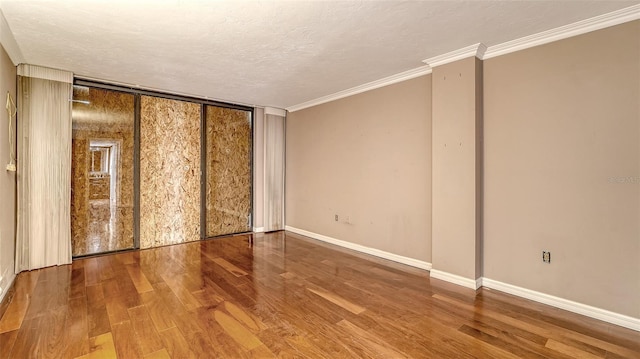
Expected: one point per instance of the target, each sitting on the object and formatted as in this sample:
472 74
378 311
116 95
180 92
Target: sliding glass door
102 180
185 163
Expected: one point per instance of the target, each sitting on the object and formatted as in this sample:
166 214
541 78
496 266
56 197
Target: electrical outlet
546 257
336 218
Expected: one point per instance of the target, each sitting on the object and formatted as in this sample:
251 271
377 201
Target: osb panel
95 225
109 111
79 194
228 192
99 187
96 161
169 171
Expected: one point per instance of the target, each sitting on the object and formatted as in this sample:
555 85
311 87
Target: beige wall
368 157
562 173
7 179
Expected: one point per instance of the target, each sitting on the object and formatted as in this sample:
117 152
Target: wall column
457 168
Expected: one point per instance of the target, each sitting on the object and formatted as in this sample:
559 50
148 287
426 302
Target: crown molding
403 76
577 28
275 111
476 50
483 52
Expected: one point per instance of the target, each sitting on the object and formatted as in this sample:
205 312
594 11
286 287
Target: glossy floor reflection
109 228
281 295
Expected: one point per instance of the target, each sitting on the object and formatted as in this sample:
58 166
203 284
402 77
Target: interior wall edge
11 281
8 179
362 249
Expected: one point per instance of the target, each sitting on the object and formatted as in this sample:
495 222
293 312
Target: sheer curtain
44 167
274 166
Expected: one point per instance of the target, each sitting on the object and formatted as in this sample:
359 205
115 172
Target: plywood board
169 171
99 187
79 194
228 187
106 110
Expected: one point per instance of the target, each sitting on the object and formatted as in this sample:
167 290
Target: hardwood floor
281 295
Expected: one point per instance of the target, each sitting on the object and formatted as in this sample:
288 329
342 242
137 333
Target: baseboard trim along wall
363 249
258 229
575 307
569 305
456 279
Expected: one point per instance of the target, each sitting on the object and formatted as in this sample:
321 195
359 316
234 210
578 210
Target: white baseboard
575 307
258 229
456 279
360 248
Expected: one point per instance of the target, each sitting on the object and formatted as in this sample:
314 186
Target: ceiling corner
9 42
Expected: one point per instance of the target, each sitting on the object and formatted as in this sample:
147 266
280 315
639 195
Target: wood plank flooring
281 295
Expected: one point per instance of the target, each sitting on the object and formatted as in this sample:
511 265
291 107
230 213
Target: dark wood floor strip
281 295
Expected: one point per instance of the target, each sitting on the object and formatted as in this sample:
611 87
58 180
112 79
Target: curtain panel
44 168
274 167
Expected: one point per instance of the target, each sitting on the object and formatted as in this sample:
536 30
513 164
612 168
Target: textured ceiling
275 53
